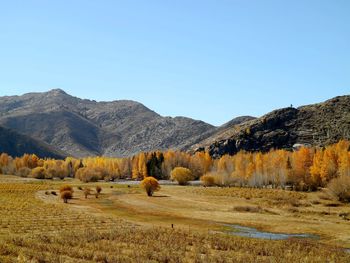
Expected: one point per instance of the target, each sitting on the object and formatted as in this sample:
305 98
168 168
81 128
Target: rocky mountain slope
84 127
16 144
186 146
318 124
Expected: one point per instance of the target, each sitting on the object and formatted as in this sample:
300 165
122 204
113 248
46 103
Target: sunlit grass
38 227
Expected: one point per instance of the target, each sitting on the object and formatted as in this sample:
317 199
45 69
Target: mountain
186 146
16 144
84 127
318 125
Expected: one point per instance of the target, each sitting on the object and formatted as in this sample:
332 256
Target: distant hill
318 125
16 144
84 127
186 146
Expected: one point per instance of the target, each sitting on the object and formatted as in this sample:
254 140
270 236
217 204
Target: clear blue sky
209 60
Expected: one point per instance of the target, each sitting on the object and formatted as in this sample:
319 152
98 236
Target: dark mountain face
83 127
16 144
319 124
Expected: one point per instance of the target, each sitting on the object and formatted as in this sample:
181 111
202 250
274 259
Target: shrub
38 173
87 192
65 195
86 174
208 180
181 175
216 178
340 188
66 188
98 191
150 184
23 172
51 173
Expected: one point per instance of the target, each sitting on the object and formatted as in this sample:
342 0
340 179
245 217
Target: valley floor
124 225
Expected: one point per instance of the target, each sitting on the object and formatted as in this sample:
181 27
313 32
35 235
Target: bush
208 180
98 191
51 173
87 192
23 172
89 175
65 195
66 187
218 179
38 173
181 175
340 188
150 184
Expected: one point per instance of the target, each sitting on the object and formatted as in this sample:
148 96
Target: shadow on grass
160 196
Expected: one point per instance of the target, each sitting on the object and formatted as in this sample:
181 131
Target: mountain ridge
119 128
316 124
84 127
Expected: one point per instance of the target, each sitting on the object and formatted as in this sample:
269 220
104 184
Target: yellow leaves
329 164
301 163
306 168
315 169
139 168
182 175
142 165
4 159
344 164
150 184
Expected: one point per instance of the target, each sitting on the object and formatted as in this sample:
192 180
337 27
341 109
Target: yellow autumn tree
344 164
329 167
315 169
150 184
301 163
182 175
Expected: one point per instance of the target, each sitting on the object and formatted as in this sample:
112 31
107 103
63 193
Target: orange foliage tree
150 184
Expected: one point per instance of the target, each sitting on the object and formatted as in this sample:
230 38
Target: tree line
304 169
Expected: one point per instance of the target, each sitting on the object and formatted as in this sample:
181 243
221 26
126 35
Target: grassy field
124 225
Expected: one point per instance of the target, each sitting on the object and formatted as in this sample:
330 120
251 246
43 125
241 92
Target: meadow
125 225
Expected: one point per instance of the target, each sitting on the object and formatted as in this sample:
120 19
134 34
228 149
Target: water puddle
244 231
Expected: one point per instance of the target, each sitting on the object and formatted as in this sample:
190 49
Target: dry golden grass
248 193
38 227
209 208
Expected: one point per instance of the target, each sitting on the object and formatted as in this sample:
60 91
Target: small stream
244 231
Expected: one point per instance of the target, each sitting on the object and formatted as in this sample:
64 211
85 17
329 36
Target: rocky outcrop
318 125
